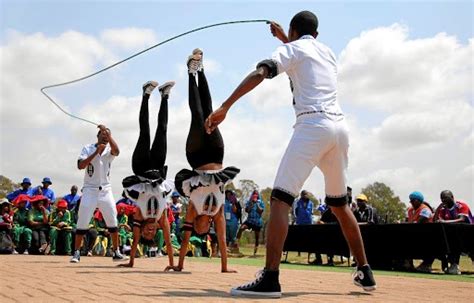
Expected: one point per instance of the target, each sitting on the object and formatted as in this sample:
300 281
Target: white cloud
130 38
420 90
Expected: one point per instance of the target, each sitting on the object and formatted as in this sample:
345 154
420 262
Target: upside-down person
205 184
148 186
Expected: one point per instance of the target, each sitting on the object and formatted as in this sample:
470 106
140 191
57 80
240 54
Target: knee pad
112 229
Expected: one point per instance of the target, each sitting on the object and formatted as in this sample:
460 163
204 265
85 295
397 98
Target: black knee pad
112 229
336 202
283 196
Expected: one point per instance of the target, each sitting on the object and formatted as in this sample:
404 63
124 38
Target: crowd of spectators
33 220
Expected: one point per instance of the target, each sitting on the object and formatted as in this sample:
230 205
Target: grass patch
300 263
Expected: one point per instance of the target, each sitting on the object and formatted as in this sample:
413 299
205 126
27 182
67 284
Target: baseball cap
362 197
47 180
175 194
26 180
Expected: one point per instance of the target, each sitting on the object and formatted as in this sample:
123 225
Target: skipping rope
133 56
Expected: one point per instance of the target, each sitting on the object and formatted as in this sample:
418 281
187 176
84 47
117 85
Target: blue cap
175 194
47 180
416 195
26 180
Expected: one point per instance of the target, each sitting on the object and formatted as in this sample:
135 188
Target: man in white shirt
96 159
320 139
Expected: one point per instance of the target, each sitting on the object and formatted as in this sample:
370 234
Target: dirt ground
26 278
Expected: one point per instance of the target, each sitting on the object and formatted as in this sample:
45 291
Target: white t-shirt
312 69
97 173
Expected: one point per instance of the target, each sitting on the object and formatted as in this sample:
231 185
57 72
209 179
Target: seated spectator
365 213
103 243
6 223
327 217
452 211
21 232
38 222
60 224
303 209
91 235
72 198
254 207
125 231
24 190
420 211
46 191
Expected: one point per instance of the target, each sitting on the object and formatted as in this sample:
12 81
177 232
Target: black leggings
202 148
144 159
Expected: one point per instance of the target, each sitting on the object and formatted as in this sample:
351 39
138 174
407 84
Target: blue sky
46 42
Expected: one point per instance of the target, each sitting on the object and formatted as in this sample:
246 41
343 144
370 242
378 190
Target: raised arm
249 83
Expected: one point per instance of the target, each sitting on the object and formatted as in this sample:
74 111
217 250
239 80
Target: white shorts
321 142
93 198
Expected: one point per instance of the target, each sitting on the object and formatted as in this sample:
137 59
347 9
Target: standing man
24 190
72 198
304 209
96 159
320 139
176 208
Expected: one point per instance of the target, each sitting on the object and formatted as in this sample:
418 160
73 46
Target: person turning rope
320 138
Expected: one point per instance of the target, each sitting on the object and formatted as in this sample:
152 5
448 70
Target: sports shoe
424 268
76 258
15 252
43 247
118 257
89 253
149 87
364 278
195 62
266 285
453 270
166 88
26 252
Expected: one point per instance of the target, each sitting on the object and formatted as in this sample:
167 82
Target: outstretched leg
159 147
202 148
141 154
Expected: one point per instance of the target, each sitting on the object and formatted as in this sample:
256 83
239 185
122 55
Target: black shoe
265 285
364 278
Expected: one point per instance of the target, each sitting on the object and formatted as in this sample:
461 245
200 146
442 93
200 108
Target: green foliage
389 207
6 186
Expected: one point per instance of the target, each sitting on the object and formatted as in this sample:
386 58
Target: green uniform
36 215
20 228
124 235
54 220
104 241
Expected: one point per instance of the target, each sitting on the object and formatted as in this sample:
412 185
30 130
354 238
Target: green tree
6 186
389 207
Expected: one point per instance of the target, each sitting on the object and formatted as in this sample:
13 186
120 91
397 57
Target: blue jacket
304 213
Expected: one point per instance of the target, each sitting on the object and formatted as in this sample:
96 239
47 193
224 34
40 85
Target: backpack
6 243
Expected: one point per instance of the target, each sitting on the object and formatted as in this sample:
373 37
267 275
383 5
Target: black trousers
144 158
202 148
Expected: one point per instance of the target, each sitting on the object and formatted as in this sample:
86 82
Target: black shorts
252 226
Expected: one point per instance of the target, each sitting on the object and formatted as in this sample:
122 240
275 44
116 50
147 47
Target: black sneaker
364 278
149 87
166 88
265 285
76 258
118 257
